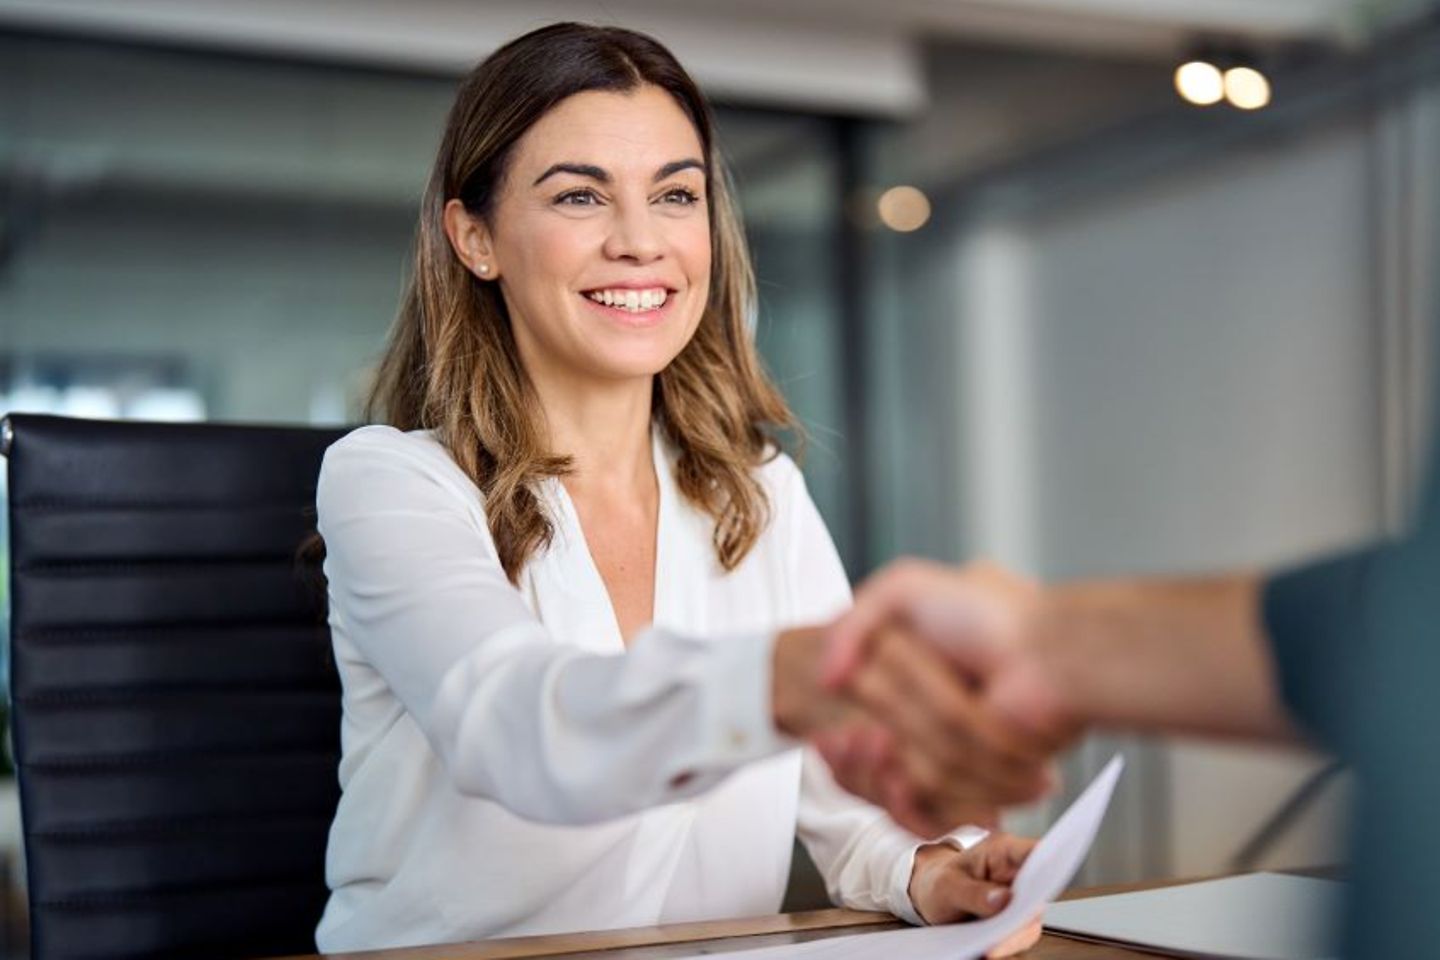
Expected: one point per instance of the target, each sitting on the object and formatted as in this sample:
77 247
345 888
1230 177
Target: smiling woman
563 574
604 267
575 160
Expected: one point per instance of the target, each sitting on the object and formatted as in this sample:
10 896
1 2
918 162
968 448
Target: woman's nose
634 235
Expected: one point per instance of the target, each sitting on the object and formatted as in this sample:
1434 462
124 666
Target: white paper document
1261 916
1043 876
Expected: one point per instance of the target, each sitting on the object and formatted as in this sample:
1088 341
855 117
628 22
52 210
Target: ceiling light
903 209
1247 88
1200 82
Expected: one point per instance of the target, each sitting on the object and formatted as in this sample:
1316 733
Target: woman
579 446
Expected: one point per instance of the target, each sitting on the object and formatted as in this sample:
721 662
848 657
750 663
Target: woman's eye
583 197
683 196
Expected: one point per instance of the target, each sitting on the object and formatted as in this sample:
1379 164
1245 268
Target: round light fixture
903 209
1247 88
1200 82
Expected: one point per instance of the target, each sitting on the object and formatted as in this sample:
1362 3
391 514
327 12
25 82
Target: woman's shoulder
784 486
379 442
777 472
368 452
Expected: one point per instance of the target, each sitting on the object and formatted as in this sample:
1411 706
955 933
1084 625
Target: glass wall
189 235
195 236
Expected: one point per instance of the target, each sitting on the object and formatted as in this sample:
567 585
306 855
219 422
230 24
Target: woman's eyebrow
675 166
600 175
579 169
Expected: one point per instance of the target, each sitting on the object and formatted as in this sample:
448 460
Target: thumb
962 628
978 898
885 596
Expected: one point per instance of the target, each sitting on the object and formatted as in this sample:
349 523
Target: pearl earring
484 268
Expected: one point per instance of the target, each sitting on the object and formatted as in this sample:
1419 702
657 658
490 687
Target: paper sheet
1044 876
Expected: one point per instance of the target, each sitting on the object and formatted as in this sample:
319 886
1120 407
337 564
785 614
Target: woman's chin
630 355
635 367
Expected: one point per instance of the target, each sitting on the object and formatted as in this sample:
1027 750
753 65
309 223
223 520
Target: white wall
1199 371
1203 368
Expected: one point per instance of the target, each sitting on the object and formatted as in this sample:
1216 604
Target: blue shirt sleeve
1353 639
1316 620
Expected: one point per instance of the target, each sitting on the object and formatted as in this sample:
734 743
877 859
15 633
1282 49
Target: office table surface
724 936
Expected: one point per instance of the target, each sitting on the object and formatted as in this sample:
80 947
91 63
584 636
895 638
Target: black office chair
175 704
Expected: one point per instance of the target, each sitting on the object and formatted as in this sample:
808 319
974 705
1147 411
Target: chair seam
161 760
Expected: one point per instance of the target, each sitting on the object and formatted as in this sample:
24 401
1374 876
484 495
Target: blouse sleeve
864 857
552 732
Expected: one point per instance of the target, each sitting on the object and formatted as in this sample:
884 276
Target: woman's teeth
631 300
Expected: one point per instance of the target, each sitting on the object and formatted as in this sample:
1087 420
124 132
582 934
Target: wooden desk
721 936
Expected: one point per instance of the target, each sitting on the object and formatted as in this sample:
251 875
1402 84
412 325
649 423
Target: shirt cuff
963 838
900 904
742 677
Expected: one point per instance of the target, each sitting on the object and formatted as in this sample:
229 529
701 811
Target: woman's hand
949 885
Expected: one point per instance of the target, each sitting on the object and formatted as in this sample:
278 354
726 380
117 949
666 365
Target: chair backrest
176 711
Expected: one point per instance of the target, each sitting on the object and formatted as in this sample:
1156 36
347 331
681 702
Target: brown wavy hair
452 367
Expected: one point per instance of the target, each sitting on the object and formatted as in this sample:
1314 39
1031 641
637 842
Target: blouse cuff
900 904
963 838
741 675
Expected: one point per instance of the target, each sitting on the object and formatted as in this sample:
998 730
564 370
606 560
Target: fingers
954 752
948 716
800 706
883 597
998 857
924 651
858 758
948 885
927 811
950 895
863 760
975 899
1017 942
909 807
961 612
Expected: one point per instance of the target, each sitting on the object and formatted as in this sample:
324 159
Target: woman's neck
605 430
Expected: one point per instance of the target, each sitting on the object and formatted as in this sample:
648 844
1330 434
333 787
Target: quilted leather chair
176 708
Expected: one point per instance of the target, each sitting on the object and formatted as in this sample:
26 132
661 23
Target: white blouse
510 768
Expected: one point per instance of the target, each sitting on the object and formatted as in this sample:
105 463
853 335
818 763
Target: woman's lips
639 318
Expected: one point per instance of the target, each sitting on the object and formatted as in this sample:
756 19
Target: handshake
944 694
929 697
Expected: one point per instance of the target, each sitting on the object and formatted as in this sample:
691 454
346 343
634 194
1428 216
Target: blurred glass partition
195 235
790 183
213 236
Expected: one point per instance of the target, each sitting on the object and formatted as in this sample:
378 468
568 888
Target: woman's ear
470 239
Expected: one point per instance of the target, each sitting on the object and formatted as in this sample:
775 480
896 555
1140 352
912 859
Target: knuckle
925 777
866 686
955 715
910 569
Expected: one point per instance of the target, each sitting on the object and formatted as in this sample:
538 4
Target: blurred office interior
1104 330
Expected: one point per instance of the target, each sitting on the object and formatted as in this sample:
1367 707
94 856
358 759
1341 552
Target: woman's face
600 238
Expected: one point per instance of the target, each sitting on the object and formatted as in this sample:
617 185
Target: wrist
795 680
932 860
1062 657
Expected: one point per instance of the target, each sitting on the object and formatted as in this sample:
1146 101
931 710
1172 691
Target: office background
1130 334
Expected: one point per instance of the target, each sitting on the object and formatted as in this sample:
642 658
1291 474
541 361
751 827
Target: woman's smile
633 305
